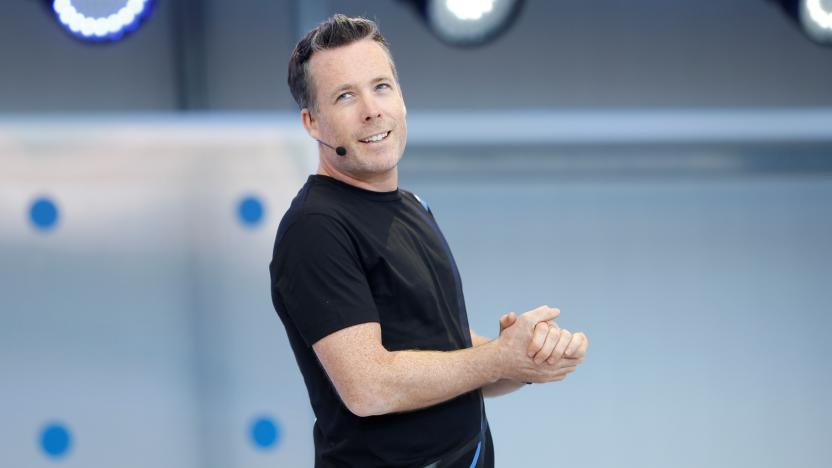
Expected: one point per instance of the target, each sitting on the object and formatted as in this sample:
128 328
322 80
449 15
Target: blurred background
660 171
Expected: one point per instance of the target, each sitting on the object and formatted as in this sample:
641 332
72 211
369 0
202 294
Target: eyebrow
346 86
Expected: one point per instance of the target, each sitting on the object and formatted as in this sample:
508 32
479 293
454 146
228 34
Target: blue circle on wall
43 213
55 440
265 433
250 211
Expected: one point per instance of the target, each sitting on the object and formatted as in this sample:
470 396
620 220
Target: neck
376 182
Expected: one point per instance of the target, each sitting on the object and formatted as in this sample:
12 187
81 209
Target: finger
581 352
563 342
565 370
548 345
565 361
558 353
560 374
542 314
574 345
568 361
538 338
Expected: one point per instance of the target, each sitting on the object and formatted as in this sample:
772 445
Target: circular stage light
469 22
102 20
816 19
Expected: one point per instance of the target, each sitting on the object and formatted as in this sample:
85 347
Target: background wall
220 55
662 172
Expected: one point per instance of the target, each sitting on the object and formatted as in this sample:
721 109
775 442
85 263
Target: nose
371 109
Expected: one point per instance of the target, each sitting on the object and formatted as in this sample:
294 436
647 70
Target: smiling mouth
379 137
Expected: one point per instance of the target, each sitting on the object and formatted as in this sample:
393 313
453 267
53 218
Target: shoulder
315 198
416 199
309 230
313 210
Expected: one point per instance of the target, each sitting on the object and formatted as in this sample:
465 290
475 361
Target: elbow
366 402
364 406
356 407
373 394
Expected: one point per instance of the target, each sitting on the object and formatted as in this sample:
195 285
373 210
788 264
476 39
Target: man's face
357 98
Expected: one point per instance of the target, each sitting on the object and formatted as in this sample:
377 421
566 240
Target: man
367 287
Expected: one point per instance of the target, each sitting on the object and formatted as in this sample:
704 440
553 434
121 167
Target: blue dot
251 211
44 213
55 440
265 432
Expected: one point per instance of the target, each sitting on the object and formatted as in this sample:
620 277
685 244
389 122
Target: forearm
410 380
500 387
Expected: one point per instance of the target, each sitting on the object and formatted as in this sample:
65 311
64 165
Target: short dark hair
338 30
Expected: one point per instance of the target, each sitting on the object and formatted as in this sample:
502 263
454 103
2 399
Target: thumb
507 320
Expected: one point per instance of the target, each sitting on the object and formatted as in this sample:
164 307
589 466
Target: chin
378 165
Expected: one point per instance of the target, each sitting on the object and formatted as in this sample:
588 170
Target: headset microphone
340 151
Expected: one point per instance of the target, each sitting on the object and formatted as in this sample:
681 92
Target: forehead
354 63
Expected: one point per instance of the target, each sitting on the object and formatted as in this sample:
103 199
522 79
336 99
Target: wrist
507 366
497 360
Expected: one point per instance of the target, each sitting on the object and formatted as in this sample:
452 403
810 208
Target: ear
310 123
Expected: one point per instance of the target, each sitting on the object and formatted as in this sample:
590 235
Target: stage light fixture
101 20
813 16
468 22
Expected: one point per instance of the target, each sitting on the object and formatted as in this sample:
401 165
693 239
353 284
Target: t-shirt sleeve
320 280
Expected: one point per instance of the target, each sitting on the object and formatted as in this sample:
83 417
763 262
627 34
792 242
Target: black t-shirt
344 256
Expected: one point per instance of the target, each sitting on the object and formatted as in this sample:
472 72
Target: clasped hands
536 350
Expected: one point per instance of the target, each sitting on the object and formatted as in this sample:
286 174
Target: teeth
375 138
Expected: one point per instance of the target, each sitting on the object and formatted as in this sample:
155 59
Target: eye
383 84
342 95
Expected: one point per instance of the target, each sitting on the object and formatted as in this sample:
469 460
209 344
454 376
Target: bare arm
500 387
371 380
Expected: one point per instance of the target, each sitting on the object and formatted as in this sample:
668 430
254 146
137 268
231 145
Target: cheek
403 130
403 136
335 126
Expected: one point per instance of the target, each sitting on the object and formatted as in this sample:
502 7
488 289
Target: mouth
377 138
